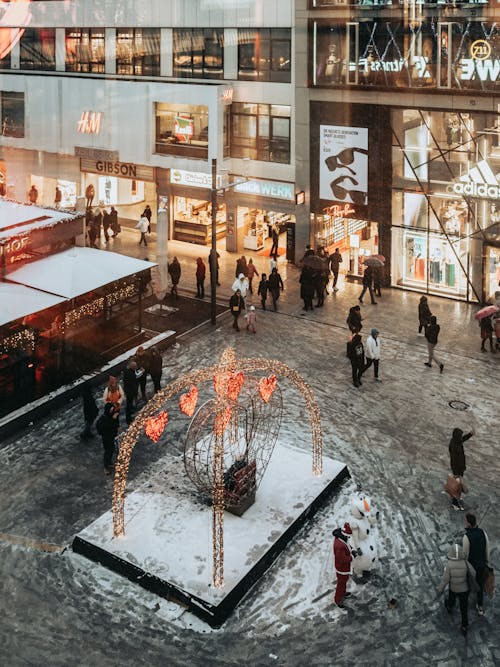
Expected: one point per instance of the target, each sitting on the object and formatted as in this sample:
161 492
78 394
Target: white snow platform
167 546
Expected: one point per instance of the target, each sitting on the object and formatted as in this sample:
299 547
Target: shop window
182 129
260 132
85 50
198 53
264 55
138 51
38 49
12 110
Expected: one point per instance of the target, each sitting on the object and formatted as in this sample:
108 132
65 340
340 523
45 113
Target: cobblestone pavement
57 608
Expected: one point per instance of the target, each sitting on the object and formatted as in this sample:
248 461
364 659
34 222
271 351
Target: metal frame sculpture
228 378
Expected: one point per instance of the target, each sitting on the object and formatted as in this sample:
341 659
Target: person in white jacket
372 352
143 226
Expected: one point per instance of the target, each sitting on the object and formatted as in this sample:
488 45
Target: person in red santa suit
342 555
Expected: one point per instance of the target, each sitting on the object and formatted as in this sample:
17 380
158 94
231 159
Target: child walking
251 319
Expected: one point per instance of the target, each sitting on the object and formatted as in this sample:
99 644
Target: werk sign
343 164
12 13
480 182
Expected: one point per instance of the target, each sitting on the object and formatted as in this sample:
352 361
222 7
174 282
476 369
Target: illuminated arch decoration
228 377
12 13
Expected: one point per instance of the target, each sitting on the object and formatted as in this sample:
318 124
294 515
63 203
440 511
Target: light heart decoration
222 419
229 384
188 401
267 386
156 425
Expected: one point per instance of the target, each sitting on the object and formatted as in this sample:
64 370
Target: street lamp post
213 251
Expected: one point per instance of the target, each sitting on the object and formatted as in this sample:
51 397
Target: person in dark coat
147 214
275 236
213 263
486 326
105 225
424 314
236 305
354 319
476 546
130 387
90 412
155 367
307 287
367 285
262 290
431 333
174 270
334 262
113 221
457 457
200 278
377 280
275 285
109 431
356 353
241 266
142 360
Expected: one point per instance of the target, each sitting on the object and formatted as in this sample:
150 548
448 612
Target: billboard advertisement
343 164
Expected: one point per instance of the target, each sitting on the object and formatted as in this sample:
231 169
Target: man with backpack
356 354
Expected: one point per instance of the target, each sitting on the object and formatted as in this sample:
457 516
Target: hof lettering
16 246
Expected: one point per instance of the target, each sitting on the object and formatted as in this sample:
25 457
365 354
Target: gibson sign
139 172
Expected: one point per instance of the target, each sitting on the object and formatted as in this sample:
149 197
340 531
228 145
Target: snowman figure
364 523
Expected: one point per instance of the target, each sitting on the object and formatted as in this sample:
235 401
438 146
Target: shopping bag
489 581
453 487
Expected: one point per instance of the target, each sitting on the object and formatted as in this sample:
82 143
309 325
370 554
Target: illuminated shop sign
480 182
15 249
183 129
90 122
343 164
337 211
194 179
275 189
139 172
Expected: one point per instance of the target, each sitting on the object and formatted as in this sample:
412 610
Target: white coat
142 225
241 283
372 347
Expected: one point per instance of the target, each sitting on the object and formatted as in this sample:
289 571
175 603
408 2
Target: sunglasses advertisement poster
343 168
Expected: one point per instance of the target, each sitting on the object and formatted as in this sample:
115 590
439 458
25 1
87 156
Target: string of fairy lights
226 376
20 340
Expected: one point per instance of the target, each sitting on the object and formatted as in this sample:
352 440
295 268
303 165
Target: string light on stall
18 341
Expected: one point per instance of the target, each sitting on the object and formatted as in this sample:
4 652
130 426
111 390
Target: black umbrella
315 262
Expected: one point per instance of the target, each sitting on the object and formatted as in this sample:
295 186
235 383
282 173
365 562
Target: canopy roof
17 301
21 219
77 271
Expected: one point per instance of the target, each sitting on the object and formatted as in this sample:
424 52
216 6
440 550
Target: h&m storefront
245 212
427 179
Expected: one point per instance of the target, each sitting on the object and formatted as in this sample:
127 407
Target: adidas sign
479 182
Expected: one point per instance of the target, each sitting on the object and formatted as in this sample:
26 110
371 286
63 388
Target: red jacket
342 556
200 270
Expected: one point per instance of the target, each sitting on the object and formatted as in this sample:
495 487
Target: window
264 55
182 129
199 53
38 49
12 109
85 50
138 51
260 132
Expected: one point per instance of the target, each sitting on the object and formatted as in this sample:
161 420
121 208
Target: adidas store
445 198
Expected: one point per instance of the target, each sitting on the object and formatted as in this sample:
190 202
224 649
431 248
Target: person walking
241 266
342 557
354 320
424 314
356 354
142 360
372 353
57 197
142 226
113 392
105 225
251 272
33 195
377 281
251 320
90 412
432 333
213 264
275 235
457 459
241 284
174 270
236 305
262 290
335 261
486 327
455 576
275 286
476 546
155 367
108 430
113 222
307 287
147 213
367 285
200 278
130 387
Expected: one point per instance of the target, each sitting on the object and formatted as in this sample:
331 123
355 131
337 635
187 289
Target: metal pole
213 251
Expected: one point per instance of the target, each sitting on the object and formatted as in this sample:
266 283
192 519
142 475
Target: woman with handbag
460 577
